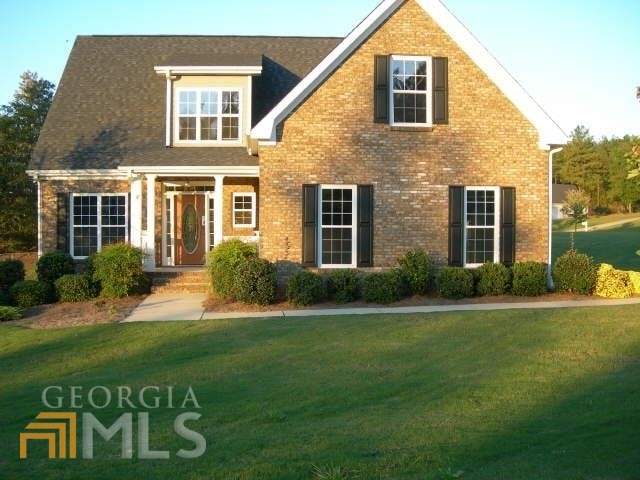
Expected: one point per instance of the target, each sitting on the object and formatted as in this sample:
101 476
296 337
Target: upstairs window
411 91
208 115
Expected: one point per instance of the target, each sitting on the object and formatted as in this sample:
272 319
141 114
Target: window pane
337 246
113 210
480 245
187 128
187 103
85 241
209 128
209 103
112 235
85 210
230 103
230 129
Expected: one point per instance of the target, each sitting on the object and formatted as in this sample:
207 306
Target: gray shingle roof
109 108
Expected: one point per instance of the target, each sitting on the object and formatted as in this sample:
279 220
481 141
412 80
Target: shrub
634 277
612 283
74 288
118 268
455 283
419 270
10 313
343 285
29 293
305 288
529 279
4 298
11 271
575 272
256 281
51 266
223 263
384 287
492 279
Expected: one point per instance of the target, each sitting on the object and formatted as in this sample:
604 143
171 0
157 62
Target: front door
190 229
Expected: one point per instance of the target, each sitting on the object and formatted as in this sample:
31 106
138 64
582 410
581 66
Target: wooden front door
190 229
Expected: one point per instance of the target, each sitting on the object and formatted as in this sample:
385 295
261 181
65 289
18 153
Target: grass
617 246
474 395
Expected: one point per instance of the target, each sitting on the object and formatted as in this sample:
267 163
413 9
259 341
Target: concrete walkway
165 307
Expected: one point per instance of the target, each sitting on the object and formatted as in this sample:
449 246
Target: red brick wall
331 138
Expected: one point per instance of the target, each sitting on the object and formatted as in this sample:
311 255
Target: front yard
478 395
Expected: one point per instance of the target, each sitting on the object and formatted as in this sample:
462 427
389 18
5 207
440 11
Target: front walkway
165 307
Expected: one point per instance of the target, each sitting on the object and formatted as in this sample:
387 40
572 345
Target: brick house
327 152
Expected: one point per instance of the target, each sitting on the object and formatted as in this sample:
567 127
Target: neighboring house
328 152
558 199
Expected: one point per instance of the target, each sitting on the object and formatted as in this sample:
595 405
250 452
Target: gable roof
549 133
109 112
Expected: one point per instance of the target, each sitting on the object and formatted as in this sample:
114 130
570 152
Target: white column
150 238
39 207
135 235
218 206
169 101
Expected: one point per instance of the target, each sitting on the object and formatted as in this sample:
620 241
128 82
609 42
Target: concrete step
188 281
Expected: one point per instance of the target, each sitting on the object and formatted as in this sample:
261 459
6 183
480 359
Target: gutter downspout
170 78
552 152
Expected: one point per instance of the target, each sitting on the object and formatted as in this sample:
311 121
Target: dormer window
208 115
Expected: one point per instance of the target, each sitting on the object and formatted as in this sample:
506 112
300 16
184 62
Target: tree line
603 169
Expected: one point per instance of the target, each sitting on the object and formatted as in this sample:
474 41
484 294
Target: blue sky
580 59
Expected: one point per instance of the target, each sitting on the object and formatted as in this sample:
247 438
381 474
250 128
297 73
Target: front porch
177 218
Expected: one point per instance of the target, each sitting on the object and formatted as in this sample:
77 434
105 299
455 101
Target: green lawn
477 395
617 246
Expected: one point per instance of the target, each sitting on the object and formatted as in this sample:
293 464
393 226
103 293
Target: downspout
39 219
170 78
552 152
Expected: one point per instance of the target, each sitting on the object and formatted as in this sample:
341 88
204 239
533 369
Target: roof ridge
169 35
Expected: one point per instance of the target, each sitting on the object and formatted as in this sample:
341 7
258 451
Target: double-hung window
411 95
244 210
208 115
482 225
337 226
97 220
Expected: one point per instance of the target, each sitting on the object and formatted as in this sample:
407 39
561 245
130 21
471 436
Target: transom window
482 239
97 220
337 226
208 115
244 210
411 90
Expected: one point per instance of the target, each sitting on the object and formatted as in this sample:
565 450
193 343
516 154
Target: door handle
203 220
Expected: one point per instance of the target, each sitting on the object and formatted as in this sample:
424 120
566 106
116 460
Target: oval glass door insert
190 229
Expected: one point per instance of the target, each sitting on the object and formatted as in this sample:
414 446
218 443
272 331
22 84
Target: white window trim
428 93
354 227
496 226
253 209
198 116
99 217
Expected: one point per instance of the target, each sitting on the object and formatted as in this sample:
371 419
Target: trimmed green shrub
256 281
223 263
343 285
384 287
51 266
455 283
8 314
29 293
575 272
4 298
11 271
492 279
612 283
305 288
74 288
529 279
118 268
419 270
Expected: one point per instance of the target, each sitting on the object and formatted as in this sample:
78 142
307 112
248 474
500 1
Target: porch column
150 239
218 205
135 236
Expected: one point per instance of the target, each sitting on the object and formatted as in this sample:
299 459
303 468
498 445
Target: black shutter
309 225
381 89
62 227
440 91
508 226
365 225
456 225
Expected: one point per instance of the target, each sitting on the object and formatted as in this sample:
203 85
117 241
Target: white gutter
552 152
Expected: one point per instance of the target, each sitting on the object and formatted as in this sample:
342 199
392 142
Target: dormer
208 99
